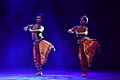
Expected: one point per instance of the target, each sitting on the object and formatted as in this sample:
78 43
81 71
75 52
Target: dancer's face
39 20
82 21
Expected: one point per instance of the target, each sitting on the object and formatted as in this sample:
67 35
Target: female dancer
87 46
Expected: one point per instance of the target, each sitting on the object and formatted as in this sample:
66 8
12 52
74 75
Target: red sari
87 47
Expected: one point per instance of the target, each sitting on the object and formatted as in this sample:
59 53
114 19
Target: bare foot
84 75
39 73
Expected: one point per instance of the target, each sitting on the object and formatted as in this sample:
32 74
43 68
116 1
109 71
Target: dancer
41 47
86 47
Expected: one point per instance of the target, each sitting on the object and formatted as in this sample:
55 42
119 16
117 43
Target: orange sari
41 51
87 50
87 47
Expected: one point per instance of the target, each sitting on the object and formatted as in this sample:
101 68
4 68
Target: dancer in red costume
87 46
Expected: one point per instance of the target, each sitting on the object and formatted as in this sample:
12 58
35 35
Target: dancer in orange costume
41 47
87 46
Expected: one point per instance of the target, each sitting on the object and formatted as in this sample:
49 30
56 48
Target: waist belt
81 40
37 41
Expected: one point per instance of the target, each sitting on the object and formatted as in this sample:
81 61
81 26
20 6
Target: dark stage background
60 15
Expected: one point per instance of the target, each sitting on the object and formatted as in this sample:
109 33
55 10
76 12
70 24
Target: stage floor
59 75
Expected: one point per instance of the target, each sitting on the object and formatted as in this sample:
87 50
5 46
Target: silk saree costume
86 47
